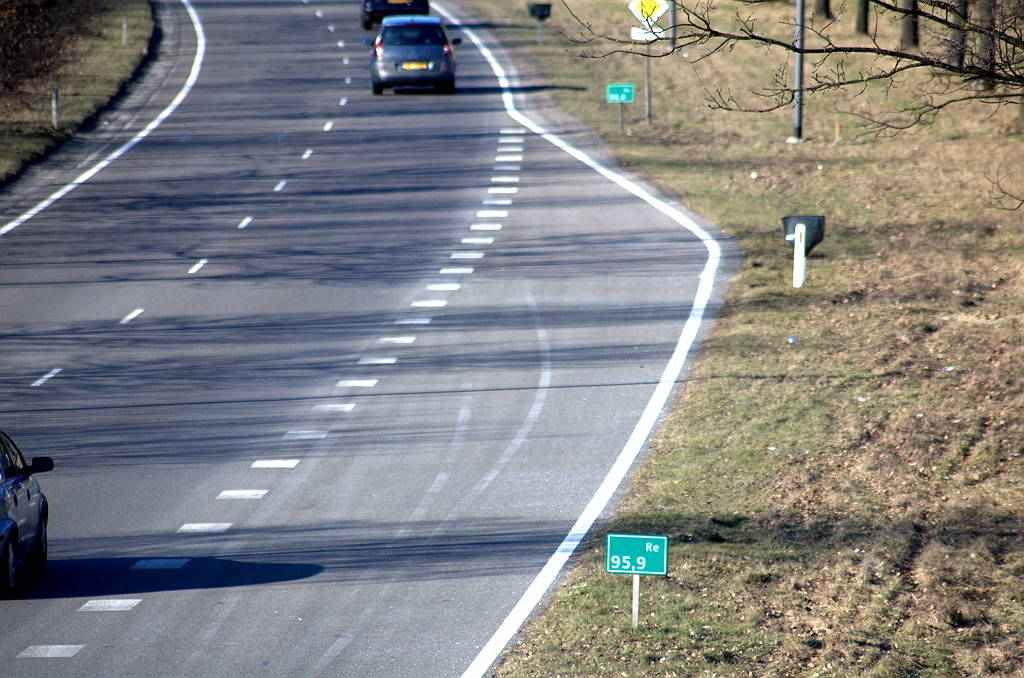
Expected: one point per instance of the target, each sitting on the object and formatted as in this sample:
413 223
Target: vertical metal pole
56 109
798 78
647 83
622 122
124 28
538 30
636 600
799 256
672 28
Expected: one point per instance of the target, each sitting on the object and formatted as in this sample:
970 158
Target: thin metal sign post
636 554
621 94
798 78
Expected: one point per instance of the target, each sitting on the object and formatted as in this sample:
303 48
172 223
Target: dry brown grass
851 505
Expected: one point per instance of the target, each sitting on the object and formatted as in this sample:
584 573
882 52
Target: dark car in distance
375 11
23 515
413 51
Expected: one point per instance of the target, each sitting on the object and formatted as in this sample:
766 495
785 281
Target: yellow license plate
414 66
398 2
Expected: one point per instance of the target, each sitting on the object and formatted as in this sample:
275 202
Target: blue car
23 515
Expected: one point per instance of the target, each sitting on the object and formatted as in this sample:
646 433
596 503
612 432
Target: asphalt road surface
337 372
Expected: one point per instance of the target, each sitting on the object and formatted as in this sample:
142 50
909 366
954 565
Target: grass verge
848 501
97 67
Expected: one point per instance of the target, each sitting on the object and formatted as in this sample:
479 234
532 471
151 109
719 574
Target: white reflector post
799 256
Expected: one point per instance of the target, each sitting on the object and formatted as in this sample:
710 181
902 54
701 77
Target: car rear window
412 35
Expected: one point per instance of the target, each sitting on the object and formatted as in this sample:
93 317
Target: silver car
413 51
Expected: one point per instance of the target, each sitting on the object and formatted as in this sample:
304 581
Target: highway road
327 377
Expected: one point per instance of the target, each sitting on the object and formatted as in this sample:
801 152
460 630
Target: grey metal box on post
540 12
815 226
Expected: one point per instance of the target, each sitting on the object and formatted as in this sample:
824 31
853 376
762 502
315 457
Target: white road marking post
110 605
132 316
48 376
198 265
275 463
190 81
799 256
245 222
546 577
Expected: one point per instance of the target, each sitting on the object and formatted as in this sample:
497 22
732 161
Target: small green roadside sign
621 93
637 554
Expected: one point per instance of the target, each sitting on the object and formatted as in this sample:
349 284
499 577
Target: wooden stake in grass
56 109
124 28
837 133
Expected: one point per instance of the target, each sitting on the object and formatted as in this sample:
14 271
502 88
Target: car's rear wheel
448 87
39 555
378 89
367 25
7 573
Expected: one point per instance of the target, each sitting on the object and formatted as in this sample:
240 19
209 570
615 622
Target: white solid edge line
193 75
538 588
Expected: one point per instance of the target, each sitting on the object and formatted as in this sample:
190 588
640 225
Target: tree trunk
909 34
862 17
986 45
822 10
958 40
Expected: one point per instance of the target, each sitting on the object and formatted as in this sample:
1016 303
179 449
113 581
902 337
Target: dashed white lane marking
467 255
504 180
485 227
492 214
331 28
413 321
396 340
280 185
478 241
356 383
275 463
517 130
245 222
348 81
160 563
305 435
198 265
439 482
308 154
48 651
510 141
132 316
499 190
508 158
341 43
345 61
507 168
430 303
242 494
343 102
319 14
388 360
334 407
328 125
498 202
110 605
456 271
204 528
48 376
444 287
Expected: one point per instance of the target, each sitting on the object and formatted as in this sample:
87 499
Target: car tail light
447 49
379 49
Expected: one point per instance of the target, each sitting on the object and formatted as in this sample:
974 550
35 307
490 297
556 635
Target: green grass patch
852 504
97 67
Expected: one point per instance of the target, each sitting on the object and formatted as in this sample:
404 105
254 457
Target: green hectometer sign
637 554
621 93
